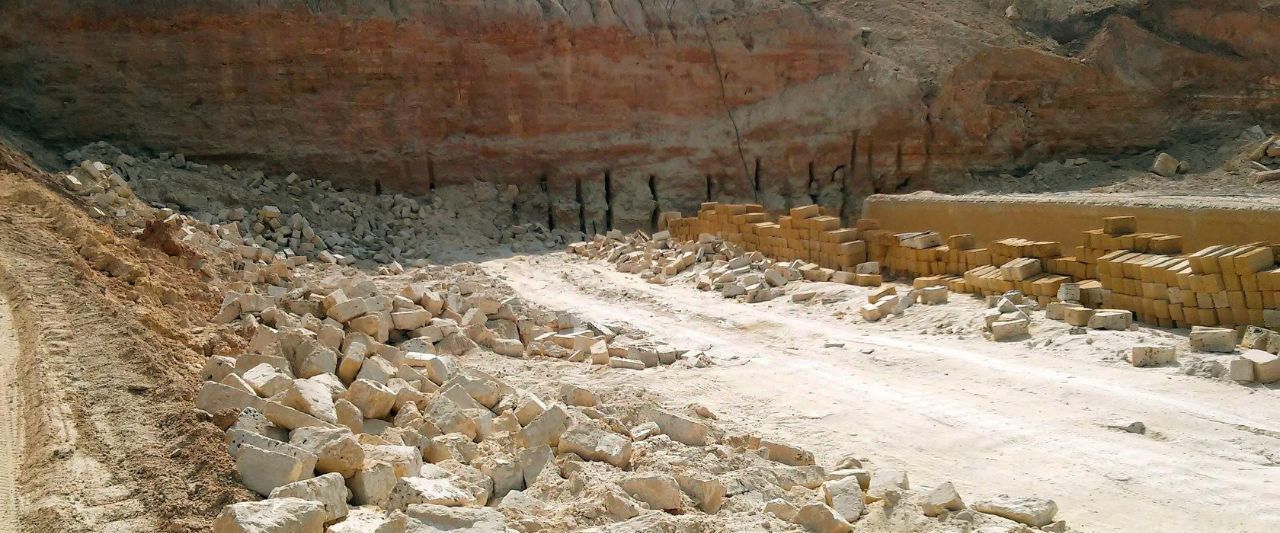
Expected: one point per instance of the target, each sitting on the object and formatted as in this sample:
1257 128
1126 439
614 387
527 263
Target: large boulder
845 497
440 491
329 490
336 449
596 444
1034 512
658 490
276 515
263 470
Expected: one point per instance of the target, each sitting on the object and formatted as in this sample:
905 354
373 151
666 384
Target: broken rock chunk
373 399
1034 512
820 518
263 470
444 518
845 497
372 483
275 514
941 499
596 444
328 490
706 491
415 490
657 490
336 449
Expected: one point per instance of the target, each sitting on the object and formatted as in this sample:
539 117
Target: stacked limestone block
1140 283
1022 274
1225 286
1117 233
925 254
806 234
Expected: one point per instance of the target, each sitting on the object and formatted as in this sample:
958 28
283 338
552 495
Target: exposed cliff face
603 111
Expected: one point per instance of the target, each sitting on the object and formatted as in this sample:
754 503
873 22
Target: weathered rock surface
601 112
1033 512
276 515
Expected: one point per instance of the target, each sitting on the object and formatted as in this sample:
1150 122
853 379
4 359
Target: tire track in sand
10 438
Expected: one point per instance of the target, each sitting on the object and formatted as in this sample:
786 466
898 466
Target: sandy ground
924 392
10 440
106 371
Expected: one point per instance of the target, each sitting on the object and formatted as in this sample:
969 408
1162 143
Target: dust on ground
107 370
926 391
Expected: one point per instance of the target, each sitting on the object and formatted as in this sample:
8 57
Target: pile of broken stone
1263 159
746 276
1251 353
1008 316
291 215
885 301
107 193
353 410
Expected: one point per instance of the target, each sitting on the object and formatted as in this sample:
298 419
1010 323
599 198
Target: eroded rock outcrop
605 112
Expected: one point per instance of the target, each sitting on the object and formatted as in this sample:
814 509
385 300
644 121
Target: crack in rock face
764 101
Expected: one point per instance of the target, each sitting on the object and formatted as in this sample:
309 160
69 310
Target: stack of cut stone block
1117 233
806 233
1225 286
925 253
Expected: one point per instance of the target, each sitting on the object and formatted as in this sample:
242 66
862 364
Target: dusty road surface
10 439
924 393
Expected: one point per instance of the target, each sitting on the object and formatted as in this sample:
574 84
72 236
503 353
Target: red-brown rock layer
601 111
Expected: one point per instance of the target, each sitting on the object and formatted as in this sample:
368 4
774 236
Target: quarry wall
604 113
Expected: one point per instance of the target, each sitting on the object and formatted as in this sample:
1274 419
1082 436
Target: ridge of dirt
107 369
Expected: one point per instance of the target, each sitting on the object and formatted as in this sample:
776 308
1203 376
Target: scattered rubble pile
808 233
1222 352
183 238
290 215
1264 160
429 319
1008 316
353 410
733 272
107 192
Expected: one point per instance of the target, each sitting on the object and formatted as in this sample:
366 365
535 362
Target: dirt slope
106 373
1023 418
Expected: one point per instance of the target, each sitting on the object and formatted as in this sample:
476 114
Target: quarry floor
925 393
